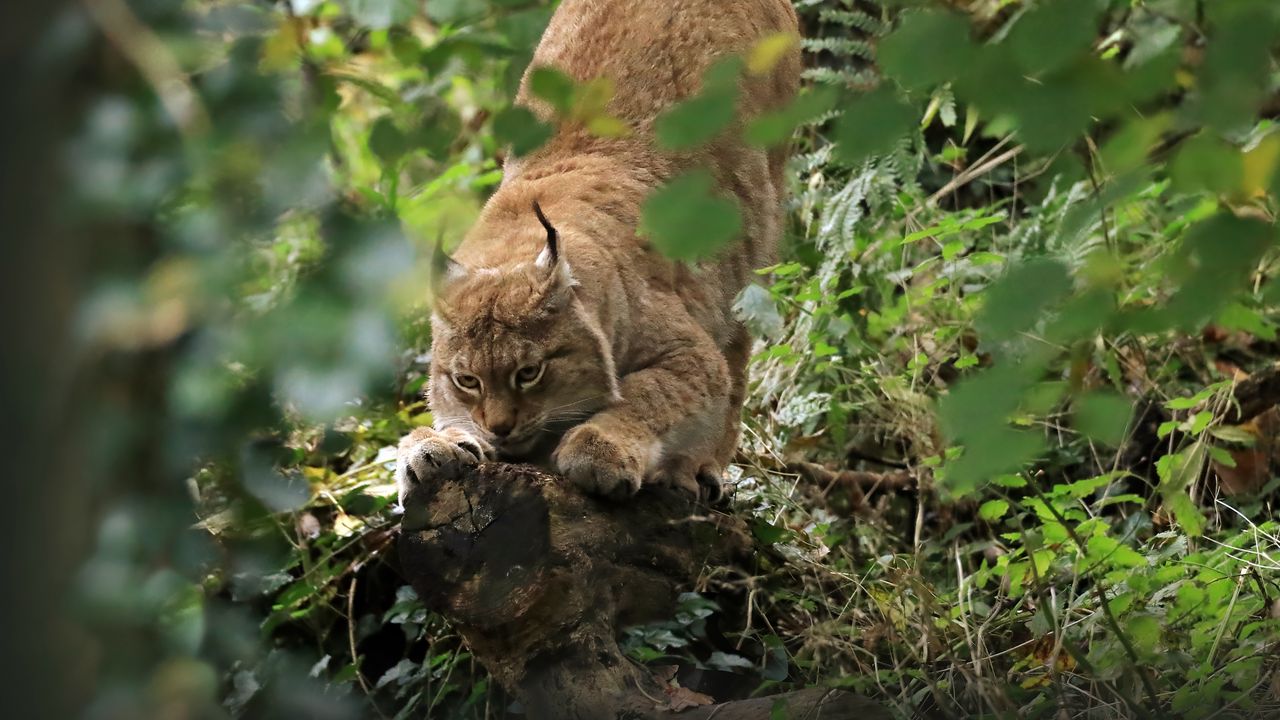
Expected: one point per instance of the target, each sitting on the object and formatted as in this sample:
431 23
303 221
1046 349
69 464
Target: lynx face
515 358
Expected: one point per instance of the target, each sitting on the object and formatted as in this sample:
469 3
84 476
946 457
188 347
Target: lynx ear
445 271
559 276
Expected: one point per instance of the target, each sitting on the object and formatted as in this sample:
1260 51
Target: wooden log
1255 395
540 579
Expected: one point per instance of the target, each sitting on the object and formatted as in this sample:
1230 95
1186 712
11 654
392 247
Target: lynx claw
423 451
710 486
597 464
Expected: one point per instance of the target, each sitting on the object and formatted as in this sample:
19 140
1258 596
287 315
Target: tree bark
540 579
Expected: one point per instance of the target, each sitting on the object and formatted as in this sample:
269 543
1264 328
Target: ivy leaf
685 219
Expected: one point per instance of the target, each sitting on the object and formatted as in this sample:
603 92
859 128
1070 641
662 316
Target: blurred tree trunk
46 527
62 400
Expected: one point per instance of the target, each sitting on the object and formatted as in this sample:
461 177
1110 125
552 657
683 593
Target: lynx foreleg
678 400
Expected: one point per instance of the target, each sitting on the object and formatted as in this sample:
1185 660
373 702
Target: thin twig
973 173
154 62
351 644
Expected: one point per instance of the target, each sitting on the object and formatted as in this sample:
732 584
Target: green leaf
927 49
1239 317
1108 550
454 11
554 87
768 533
775 128
1186 513
1234 76
698 120
695 122
1213 264
686 220
1144 633
1103 417
1199 422
993 510
872 125
1084 488
1234 434
1052 34
521 129
1206 164
387 141
382 14
1015 302
1188 403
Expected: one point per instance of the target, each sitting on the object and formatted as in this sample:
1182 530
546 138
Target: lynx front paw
600 463
424 450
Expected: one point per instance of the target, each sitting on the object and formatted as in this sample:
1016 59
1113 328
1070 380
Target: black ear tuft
553 237
444 269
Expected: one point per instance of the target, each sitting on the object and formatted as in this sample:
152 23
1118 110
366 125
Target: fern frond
852 19
841 76
845 47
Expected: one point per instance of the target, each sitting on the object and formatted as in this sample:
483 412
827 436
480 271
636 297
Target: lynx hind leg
424 450
691 456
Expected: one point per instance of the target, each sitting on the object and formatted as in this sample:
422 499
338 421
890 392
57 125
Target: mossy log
539 580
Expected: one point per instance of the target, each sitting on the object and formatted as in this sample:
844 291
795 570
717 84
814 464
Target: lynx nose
501 427
498 418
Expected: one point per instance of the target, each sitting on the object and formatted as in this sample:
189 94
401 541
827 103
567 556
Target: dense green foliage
1031 252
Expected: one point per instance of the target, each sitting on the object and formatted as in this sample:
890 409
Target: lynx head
515 357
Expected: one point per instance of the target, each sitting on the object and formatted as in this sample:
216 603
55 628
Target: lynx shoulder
559 336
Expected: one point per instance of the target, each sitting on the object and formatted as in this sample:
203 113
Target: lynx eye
528 376
465 382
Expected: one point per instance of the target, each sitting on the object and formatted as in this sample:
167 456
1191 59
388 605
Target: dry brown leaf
681 698
1252 470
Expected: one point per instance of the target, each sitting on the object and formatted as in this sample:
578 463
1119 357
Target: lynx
559 336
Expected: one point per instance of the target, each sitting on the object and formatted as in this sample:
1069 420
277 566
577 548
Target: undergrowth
985 475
